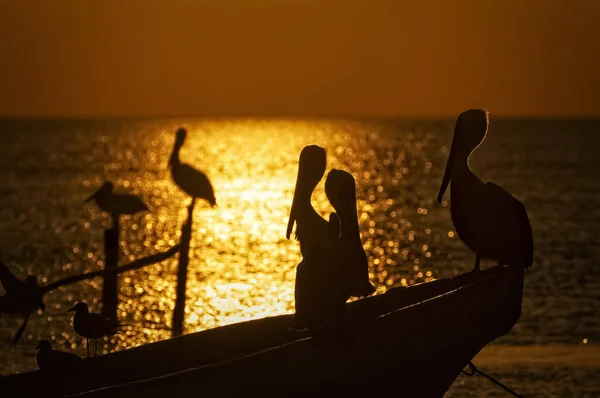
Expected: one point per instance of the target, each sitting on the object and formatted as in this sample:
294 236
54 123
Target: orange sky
299 58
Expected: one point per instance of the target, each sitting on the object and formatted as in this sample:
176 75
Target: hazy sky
294 57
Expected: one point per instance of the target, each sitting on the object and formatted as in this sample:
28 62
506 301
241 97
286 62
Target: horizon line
7 117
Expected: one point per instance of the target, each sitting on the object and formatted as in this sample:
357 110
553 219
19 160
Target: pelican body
115 203
490 221
341 191
191 181
317 238
90 325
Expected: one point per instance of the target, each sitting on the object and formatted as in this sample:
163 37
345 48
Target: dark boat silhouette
421 337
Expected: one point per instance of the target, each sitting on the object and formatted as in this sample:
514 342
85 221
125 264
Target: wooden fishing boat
417 338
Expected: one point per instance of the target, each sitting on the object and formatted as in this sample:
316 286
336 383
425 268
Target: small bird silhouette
490 221
191 181
50 360
115 203
90 325
26 294
21 297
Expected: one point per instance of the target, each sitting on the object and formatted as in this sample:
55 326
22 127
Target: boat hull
417 338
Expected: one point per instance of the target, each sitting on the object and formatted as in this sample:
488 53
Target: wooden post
186 237
110 288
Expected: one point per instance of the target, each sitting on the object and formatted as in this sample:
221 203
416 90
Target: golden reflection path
241 265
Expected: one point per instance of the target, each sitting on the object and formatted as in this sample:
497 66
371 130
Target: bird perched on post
115 203
191 181
490 221
91 325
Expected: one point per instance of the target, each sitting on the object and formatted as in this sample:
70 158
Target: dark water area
241 265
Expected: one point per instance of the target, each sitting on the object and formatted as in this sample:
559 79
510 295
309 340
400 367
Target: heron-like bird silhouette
116 203
191 181
490 221
90 325
317 238
340 189
22 297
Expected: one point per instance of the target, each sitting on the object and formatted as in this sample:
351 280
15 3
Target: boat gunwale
499 272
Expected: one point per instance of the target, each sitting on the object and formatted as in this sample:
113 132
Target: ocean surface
241 265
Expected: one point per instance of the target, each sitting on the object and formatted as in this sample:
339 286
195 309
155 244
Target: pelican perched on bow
491 222
115 203
191 181
317 238
341 192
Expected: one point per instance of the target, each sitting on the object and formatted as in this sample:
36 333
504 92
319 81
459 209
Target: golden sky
299 57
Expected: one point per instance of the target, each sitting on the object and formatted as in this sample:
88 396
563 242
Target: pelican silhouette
114 203
90 325
317 238
491 222
340 188
191 181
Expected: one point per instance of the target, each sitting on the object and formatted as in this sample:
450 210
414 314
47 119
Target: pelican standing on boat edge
193 182
115 203
316 237
340 188
490 221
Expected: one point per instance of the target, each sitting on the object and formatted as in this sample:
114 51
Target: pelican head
180 136
80 307
105 189
44 345
469 132
340 189
311 167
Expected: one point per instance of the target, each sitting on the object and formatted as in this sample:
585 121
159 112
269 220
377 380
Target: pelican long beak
71 309
293 209
37 347
449 165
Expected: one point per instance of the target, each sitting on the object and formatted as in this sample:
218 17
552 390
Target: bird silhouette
115 203
50 360
491 222
317 238
340 189
191 181
21 297
90 325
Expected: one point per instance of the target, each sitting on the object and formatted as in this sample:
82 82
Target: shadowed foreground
438 326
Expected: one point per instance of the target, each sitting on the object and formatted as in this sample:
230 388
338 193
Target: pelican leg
477 261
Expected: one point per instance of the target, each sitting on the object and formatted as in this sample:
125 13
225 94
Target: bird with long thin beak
490 221
114 203
191 181
340 189
90 325
317 238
